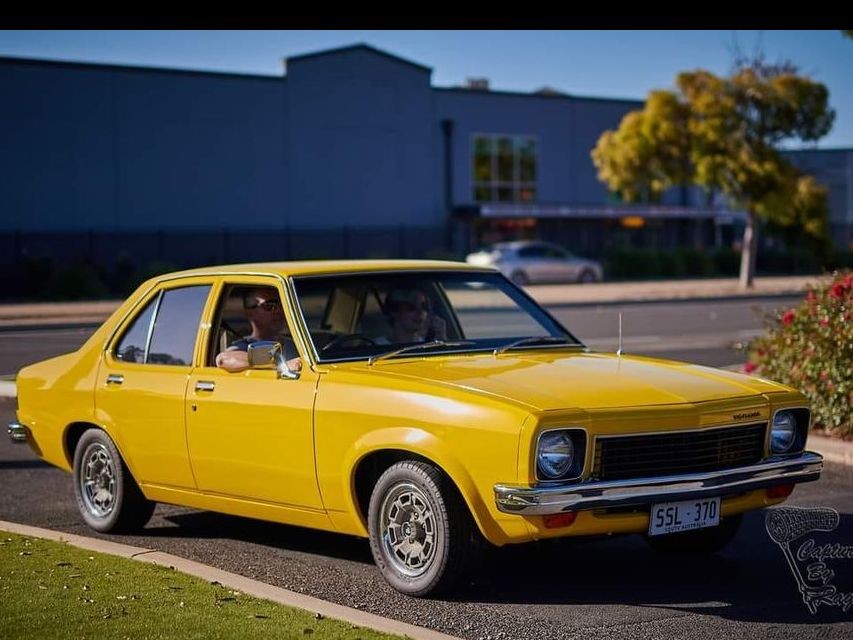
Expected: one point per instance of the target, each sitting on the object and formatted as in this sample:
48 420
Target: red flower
788 316
749 367
824 322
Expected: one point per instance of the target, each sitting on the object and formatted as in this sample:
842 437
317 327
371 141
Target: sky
620 64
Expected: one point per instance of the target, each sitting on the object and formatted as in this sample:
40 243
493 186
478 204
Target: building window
503 168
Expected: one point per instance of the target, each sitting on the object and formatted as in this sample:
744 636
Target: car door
142 382
532 261
250 434
563 265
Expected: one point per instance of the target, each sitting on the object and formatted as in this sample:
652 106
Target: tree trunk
749 251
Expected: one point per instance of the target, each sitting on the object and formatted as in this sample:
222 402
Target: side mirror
267 354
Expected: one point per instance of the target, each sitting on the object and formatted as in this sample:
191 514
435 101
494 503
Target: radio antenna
619 351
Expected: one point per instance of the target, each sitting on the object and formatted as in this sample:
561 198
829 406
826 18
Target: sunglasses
266 305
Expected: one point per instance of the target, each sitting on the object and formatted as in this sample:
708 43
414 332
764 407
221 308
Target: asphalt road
608 588
704 332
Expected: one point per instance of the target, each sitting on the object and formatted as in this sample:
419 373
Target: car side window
176 325
132 346
176 314
532 252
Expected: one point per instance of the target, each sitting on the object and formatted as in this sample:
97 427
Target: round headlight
555 455
783 432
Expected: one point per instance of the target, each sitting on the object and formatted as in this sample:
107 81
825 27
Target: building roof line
99 66
361 46
533 94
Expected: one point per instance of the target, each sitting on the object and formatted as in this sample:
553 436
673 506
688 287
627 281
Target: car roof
316 267
520 244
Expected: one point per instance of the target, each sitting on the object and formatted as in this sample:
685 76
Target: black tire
107 495
520 278
587 276
421 534
702 542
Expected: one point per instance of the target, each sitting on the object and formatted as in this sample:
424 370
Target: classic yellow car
426 405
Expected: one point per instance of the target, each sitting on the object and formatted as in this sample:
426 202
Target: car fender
425 445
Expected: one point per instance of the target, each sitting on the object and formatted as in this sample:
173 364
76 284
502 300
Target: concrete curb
233 581
8 389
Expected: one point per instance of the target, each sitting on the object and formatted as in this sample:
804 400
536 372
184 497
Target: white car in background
527 261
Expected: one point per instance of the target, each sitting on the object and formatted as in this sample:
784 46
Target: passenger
412 318
264 312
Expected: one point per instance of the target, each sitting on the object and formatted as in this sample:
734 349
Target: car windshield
362 316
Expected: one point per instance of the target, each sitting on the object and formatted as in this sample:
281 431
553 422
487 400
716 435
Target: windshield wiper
555 340
416 347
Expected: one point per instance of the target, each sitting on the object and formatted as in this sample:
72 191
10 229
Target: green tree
724 134
648 153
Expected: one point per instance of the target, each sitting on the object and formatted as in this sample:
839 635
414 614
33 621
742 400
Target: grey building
351 152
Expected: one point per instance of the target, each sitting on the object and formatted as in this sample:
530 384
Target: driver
263 310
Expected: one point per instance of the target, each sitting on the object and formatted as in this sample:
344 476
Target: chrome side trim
17 432
620 493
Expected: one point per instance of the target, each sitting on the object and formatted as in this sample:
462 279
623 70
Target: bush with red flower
810 348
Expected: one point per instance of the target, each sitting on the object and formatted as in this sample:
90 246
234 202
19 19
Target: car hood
553 380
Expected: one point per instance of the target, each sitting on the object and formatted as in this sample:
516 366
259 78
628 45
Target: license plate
686 515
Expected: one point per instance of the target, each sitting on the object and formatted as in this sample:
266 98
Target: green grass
53 590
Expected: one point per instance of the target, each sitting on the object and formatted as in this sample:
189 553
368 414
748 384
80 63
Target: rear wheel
701 542
587 276
107 495
421 533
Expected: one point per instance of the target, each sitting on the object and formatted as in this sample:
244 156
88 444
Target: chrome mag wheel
98 480
408 529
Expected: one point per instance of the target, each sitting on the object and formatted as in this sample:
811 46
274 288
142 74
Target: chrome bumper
545 500
17 432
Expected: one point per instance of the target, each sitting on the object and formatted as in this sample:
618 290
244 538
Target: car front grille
663 454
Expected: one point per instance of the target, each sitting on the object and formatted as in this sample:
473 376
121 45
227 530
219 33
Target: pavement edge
233 581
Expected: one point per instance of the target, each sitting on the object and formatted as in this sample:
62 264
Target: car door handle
205 385
115 378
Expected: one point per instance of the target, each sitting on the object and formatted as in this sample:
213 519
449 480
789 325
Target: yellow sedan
428 406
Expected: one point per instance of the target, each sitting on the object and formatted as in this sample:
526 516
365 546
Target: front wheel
702 542
107 495
421 534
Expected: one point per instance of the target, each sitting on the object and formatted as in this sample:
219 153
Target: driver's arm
233 360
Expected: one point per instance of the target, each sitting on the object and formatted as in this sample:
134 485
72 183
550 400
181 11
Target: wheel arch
379 450
72 435
75 430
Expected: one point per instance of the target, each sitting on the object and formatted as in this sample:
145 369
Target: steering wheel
349 340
